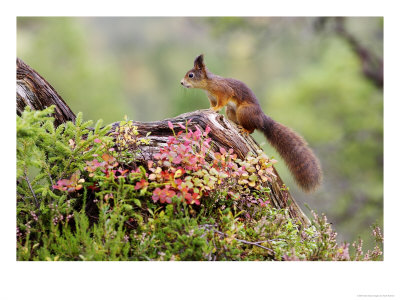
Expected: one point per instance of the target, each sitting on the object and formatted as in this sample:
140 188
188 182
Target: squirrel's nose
182 81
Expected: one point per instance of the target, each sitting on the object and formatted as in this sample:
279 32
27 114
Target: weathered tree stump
36 92
33 90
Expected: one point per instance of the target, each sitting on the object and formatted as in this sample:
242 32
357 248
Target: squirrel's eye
191 75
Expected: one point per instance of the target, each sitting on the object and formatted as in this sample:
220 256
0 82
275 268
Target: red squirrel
243 108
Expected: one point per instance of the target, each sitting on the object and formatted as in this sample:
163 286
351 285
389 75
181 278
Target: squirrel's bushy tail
299 158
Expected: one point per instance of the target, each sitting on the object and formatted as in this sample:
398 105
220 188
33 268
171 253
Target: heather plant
89 194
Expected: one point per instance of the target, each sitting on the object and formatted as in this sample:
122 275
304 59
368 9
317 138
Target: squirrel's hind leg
231 113
249 117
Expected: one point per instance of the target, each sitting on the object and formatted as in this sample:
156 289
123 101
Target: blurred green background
304 72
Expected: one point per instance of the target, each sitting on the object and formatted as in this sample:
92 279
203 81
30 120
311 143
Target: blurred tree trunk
372 64
36 92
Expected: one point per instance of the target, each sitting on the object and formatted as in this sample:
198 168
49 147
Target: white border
254 280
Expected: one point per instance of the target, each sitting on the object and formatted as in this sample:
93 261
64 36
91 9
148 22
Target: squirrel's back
241 91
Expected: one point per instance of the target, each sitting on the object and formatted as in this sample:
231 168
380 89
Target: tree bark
33 90
36 92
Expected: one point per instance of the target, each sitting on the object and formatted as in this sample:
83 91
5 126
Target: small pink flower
33 214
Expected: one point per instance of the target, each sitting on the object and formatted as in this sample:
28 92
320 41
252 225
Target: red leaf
141 184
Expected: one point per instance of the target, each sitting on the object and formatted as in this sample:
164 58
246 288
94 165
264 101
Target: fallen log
35 91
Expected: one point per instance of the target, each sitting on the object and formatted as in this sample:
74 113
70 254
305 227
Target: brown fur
244 109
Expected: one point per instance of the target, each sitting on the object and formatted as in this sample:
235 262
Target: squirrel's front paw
214 109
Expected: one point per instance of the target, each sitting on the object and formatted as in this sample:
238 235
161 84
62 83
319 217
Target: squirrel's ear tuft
199 63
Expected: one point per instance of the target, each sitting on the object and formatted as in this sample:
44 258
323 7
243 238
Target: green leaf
137 202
